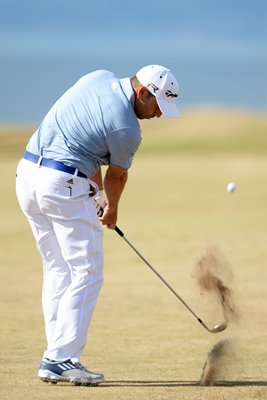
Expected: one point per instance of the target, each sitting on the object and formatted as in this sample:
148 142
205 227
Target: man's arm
114 183
97 178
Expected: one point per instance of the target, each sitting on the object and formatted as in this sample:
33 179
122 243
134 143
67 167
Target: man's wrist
112 208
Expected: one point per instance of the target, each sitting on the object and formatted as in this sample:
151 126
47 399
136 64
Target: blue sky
217 50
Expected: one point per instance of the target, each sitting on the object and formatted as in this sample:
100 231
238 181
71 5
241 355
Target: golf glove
100 202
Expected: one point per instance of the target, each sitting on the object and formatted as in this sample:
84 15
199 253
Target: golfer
60 190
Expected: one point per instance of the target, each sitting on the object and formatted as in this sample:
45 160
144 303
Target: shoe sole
47 376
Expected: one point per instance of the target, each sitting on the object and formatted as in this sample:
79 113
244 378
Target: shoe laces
80 366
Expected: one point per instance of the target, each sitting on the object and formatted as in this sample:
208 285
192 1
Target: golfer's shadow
147 383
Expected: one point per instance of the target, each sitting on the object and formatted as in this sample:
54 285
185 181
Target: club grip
119 232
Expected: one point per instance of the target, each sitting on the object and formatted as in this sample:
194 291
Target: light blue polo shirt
92 124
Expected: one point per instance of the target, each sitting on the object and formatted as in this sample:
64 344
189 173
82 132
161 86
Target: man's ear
141 92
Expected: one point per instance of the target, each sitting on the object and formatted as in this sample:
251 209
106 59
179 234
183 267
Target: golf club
215 329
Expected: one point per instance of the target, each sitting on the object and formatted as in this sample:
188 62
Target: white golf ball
231 187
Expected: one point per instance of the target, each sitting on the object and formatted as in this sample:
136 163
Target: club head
219 327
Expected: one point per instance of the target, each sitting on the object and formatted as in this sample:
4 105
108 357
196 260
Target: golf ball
231 187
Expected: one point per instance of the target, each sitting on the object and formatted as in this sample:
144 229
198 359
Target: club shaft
158 274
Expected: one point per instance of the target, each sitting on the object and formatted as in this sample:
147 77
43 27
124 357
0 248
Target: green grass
203 132
174 205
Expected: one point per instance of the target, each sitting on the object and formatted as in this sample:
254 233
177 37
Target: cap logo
170 94
154 87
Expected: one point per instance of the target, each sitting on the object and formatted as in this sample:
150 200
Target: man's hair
136 84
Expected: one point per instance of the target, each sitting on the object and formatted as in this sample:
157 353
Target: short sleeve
122 145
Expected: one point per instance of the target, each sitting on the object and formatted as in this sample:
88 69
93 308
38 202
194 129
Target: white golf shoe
68 371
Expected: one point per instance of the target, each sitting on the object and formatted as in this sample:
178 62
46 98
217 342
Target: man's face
146 106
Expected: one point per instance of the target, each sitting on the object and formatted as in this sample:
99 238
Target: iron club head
216 328
219 327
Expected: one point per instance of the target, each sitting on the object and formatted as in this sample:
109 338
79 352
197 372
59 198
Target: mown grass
198 131
205 132
174 205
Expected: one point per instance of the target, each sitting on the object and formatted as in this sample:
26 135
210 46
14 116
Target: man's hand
100 202
114 182
109 217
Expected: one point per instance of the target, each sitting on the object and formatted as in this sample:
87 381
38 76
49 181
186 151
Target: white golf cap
163 85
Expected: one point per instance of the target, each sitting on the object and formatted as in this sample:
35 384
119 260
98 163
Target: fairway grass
142 338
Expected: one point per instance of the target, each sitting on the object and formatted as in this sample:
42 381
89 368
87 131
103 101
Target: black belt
47 162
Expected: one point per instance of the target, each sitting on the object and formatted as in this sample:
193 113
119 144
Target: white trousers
68 234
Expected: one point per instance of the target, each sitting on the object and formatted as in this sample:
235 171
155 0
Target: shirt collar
128 90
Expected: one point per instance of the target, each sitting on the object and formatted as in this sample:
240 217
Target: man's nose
158 113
